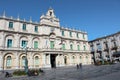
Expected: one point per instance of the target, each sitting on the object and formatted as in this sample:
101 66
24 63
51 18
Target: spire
50 8
30 19
18 18
4 14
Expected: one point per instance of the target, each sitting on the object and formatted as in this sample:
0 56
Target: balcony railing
41 49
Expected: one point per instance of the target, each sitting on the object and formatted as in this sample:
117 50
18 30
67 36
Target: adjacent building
106 48
47 44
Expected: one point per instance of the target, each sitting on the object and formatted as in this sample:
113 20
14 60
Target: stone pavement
91 72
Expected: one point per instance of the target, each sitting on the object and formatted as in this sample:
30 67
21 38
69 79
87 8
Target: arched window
23 61
73 58
71 47
9 62
36 60
78 47
35 44
84 47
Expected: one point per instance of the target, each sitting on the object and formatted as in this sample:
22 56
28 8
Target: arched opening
8 62
36 61
65 60
23 61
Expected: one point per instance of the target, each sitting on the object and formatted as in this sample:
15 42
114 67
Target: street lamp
26 61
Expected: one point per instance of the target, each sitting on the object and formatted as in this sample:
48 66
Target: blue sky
97 17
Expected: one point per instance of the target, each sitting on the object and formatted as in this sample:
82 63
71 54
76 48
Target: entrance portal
53 60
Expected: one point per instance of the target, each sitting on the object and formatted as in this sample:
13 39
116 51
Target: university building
47 44
106 48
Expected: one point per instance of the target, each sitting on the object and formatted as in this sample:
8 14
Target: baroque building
106 48
47 43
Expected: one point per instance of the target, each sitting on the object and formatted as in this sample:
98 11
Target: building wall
12 56
109 47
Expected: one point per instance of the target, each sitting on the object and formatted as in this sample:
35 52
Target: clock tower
50 19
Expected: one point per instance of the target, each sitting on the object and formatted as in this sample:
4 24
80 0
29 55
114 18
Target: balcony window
63 46
24 27
78 47
70 34
83 36
35 44
9 43
84 48
63 33
52 44
10 24
71 47
77 35
24 43
36 29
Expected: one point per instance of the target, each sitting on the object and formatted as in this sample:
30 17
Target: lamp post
26 61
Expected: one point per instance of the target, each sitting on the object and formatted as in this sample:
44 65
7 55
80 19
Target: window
24 27
23 61
50 13
9 61
63 33
84 48
83 36
78 47
36 60
63 46
77 35
71 46
99 47
35 44
10 24
36 28
70 34
24 43
9 43
51 44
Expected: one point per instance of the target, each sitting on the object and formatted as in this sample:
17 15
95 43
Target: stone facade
106 48
47 44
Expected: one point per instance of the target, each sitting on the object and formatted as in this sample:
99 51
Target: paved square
91 72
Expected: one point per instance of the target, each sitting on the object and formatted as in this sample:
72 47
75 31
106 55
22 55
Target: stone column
30 60
16 61
44 60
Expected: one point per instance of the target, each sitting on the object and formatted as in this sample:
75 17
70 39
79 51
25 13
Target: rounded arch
23 41
9 40
37 60
66 59
35 42
8 61
22 57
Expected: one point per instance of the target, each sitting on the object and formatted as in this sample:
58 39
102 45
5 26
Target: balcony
106 49
41 49
114 48
99 50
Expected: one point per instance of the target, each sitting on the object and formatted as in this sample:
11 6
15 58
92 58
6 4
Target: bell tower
50 19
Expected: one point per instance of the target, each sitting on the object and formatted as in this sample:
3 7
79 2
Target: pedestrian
77 66
80 65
